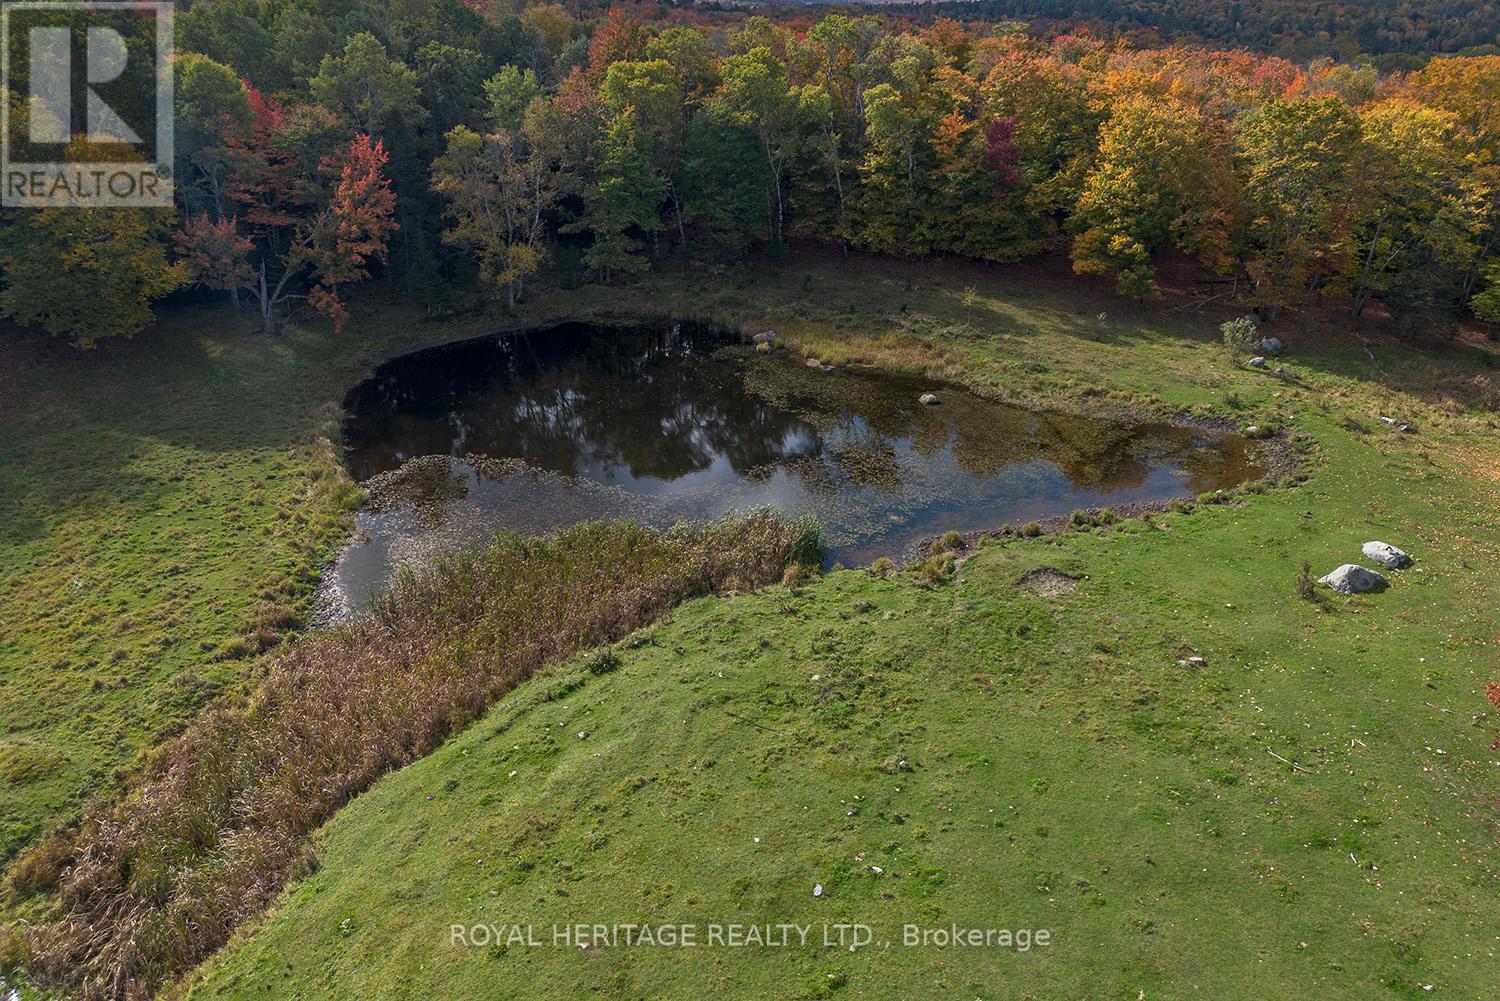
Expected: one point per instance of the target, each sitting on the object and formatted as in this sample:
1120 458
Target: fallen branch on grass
1295 767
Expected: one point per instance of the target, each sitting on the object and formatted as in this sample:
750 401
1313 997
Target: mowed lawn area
1004 757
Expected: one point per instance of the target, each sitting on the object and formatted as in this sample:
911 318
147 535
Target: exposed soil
1048 582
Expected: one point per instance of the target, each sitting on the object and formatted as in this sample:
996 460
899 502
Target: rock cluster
1351 578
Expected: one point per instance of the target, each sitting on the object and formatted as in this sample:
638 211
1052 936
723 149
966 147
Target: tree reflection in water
661 423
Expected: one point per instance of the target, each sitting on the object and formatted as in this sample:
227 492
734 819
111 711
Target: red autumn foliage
617 37
1002 153
265 177
357 226
216 254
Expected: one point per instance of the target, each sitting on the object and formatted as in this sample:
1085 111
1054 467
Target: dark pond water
676 422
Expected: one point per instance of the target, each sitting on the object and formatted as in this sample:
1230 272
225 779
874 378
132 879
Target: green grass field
167 504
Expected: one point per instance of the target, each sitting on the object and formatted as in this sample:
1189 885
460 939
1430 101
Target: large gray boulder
1386 555
1351 578
1271 346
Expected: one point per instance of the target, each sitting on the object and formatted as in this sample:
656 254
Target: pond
667 422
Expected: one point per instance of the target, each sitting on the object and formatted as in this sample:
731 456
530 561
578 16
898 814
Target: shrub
948 542
217 821
1307 586
937 570
1241 338
602 661
1031 529
1089 519
883 567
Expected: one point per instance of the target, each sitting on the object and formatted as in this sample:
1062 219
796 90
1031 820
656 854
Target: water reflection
673 421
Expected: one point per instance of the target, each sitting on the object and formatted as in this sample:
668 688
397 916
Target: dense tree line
433 143
1297 29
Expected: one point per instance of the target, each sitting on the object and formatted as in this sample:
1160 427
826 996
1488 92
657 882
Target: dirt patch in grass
1048 582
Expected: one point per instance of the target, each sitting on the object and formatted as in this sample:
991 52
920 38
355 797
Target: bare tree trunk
267 326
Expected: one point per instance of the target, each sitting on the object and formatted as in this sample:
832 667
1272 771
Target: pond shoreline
1122 447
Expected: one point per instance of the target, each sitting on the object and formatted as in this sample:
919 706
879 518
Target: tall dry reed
218 822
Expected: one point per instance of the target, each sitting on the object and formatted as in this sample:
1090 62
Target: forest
321 143
1399 33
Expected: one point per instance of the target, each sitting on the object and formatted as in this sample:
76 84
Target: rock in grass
1351 578
765 337
1259 361
1271 346
1386 555
929 399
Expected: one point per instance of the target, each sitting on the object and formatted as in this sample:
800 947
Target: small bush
261 639
602 662
1031 529
937 570
1307 586
1241 338
946 543
882 567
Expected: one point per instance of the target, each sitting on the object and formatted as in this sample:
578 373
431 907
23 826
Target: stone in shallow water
1386 555
1351 578
929 399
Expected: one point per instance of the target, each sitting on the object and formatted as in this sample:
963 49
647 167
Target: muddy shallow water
671 422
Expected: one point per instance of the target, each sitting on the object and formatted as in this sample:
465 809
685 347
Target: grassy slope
159 499
1067 774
